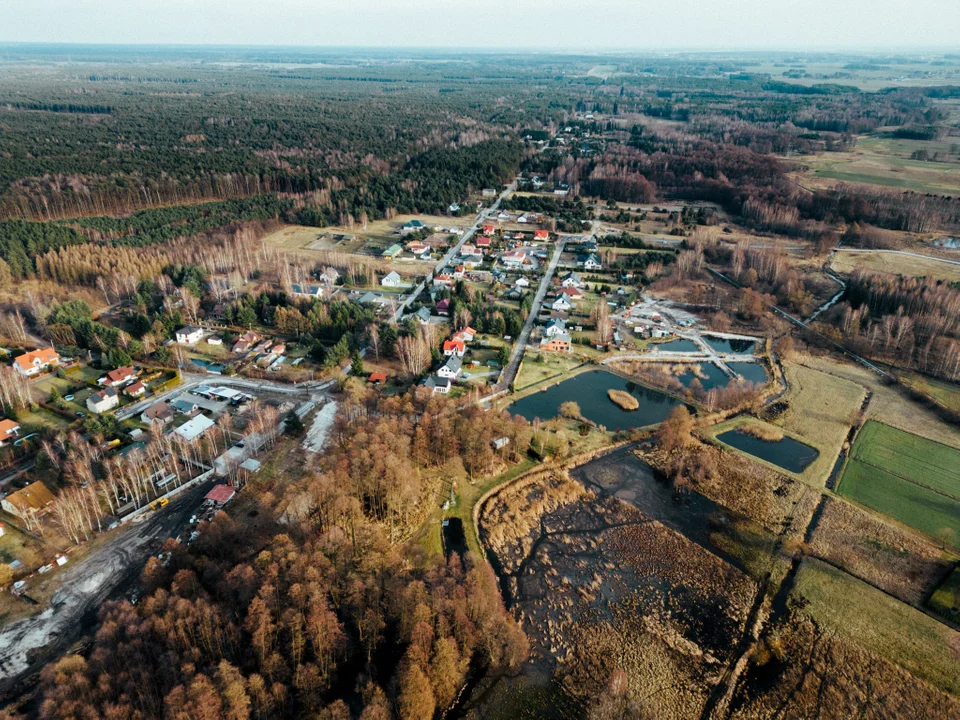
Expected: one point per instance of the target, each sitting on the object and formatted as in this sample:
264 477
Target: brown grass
623 399
767 433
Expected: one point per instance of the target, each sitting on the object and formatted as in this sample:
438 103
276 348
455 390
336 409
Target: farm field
907 477
881 624
886 162
822 408
894 264
888 404
947 394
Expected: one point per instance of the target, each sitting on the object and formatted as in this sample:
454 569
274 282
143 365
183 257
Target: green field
880 623
905 476
947 597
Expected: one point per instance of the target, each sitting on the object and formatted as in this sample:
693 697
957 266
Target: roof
436 381
454 345
44 355
121 373
414 223
8 428
221 494
377 377
392 276
251 465
453 363
158 410
135 388
34 496
188 330
443 304
194 428
99 397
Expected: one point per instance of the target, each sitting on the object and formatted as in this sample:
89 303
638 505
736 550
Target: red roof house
454 347
377 377
541 235
221 494
443 307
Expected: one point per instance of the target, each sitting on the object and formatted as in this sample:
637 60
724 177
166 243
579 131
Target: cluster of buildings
122 379
327 279
454 349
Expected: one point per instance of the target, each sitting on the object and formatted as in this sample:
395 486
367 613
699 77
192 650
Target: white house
392 279
189 335
36 361
194 428
513 258
572 279
451 368
104 400
589 262
562 302
438 384
522 282
557 326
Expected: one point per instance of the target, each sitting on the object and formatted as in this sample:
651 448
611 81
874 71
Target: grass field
821 410
947 394
946 598
890 405
886 162
893 264
907 477
894 630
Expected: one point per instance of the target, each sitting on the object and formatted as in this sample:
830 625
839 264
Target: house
557 326
454 347
458 272
423 315
157 414
194 428
184 406
561 189
500 442
572 293
488 192
317 291
189 335
514 294
8 430
437 384
33 498
489 229
36 361
572 279
329 276
100 402
118 377
392 279
483 242
466 334
589 262
513 258
557 343
453 208
541 234
451 368
416 247
214 340
471 261
443 279
443 307
392 251
263 346
135 389
412 227
503 216
562 302
521 282
377 378
220 495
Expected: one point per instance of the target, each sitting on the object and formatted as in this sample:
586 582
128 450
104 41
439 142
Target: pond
789 454
713 376
751 372
679 345
730 345
589 391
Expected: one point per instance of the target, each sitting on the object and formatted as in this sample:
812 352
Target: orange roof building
36 361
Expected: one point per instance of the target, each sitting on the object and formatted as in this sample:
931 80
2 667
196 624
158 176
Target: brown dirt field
896 560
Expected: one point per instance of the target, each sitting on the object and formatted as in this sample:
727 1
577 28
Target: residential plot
909 478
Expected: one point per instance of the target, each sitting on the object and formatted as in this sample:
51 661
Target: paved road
452 252
85 584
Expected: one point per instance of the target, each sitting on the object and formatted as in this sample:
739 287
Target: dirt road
26 645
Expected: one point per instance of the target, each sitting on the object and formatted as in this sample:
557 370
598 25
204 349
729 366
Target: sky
573 25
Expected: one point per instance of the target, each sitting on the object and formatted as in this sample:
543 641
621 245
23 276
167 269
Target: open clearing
945 393
894 630
907 477
894 264
886 162
946 599
890 405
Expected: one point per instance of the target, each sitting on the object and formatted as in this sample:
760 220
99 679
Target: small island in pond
623 399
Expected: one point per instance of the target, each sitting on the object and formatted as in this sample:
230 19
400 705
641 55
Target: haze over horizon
604 25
